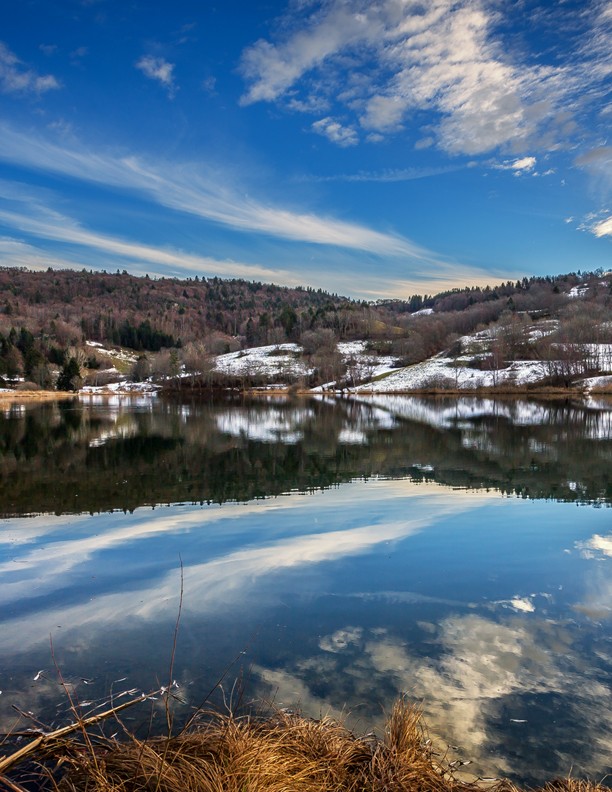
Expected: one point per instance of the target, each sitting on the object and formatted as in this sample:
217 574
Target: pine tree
70 376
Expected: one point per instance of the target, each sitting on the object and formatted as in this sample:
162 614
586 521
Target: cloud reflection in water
391 550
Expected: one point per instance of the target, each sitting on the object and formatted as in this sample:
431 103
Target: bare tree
198 362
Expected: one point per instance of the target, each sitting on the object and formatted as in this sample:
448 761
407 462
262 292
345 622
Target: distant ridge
46 317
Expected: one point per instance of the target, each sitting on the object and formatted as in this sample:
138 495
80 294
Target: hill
65 327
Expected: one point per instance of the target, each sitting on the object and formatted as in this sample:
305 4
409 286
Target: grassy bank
531 391
9 396
280 753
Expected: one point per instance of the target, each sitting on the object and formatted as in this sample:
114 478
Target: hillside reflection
92 456
394 566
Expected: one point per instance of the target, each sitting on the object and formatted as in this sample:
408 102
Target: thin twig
75 708
11 784
162 759
28 716
173 653
81 723
226 671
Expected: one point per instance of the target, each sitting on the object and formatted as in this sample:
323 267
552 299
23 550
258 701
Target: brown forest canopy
97 305
45 314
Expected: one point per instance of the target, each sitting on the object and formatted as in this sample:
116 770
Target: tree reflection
76 456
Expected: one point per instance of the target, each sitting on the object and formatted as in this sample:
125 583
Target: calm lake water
335 555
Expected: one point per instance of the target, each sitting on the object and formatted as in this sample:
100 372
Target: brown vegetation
31 396
249 754
174 325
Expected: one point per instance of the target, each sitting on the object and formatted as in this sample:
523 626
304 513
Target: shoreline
9 396
33 396
261 752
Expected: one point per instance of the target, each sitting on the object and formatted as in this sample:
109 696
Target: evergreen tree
70 376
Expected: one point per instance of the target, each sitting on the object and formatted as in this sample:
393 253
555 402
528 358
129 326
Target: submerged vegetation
218 753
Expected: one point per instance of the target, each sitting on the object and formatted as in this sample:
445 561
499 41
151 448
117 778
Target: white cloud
524 164
16 253
272 70
597 162
598 223
519 167
160 70
603 228
484 662
334 131
443 57
84 248
479 676
424 143
14 78
157 260
596 544
190 188
341 639
602 155
383 113
228 577
523 604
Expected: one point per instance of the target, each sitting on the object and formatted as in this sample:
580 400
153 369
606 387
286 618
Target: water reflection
226 551
371 577
74 457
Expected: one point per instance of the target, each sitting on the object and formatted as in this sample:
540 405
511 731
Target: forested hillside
46 318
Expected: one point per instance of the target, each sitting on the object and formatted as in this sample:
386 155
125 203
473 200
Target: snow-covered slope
280 362
284 362
471 366
445 373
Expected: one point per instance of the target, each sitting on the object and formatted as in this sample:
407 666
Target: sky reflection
226 551
492 611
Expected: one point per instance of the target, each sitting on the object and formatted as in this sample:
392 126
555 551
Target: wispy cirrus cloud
228 574
43 223
598 163
15 78
206 194
30 228
17 253
79 247
160 70
597 223
385 175
603 227
446 58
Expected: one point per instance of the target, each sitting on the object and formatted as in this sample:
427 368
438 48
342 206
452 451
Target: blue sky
373 149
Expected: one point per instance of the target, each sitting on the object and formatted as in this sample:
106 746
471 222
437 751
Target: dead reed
284 752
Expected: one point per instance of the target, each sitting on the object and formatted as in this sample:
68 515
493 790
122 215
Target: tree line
46 317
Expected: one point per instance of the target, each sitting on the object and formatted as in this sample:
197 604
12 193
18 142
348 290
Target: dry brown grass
34 396
281 753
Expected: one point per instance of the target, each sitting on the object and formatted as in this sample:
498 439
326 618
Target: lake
334 554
